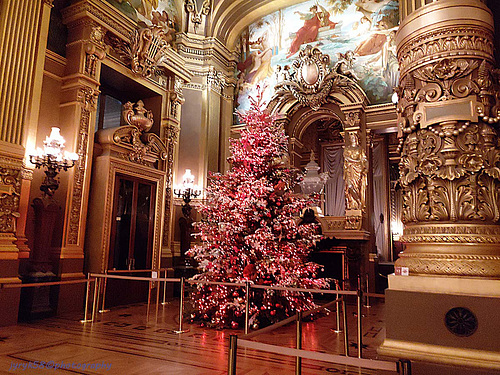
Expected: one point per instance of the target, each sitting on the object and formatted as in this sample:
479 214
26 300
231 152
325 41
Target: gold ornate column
80 89
450 176
450 170
23 39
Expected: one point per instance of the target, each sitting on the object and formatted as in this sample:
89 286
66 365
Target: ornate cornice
101 12
198 51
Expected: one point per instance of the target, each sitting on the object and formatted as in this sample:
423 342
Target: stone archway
310 90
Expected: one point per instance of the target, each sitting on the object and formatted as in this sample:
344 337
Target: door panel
131 238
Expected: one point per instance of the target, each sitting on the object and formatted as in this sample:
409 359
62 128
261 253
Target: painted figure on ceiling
316 18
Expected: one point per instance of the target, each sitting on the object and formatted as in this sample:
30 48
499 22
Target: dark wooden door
131 238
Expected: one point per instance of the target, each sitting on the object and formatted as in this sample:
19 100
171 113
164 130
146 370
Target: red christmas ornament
250 271
234 325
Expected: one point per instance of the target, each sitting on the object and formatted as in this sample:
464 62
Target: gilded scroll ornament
197 14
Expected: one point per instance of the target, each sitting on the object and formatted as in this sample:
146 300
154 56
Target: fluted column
448 114
23 39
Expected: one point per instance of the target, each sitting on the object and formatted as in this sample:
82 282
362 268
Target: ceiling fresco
158 12
365 27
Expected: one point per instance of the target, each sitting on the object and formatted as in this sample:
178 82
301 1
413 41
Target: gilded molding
80 168
145 149
26 173
98 11
87 96
452 265
447 42
452 179
176 97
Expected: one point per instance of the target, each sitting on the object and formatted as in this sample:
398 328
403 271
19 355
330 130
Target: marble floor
124 341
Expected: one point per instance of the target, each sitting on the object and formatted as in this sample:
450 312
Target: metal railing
403 367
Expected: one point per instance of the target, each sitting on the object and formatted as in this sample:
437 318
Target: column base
443 323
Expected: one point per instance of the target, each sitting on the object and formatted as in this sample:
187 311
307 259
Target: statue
345 65
355 173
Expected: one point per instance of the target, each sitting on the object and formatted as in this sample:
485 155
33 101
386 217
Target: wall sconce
53 159
313 182
187 192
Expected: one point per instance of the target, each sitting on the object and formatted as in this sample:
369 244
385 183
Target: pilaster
80 89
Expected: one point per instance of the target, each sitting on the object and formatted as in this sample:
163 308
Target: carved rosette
450 154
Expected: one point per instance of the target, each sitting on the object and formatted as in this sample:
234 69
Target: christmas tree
250 231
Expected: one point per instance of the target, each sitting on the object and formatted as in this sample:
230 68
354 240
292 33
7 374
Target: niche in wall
117 89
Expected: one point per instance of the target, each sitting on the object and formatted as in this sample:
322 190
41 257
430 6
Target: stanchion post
95 299
103 310
86 300
149 301
157 283
346 336
404 367
233 347
181 309
247 306
360 330
367 291
165 288
298 360
337 304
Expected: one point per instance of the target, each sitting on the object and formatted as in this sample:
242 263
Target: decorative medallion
461 321
310 79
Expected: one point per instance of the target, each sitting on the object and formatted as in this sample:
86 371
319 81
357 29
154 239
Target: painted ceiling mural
162 13
365 27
